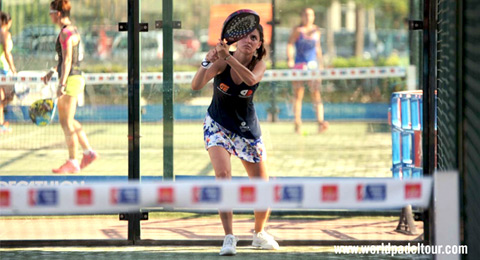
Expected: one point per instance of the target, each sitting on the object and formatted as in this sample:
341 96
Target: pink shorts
311 65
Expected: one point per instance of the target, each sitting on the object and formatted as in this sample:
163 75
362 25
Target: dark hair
4 18
304 11
261 52
63 6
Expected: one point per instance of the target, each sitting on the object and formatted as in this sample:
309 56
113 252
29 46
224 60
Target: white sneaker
229 245
263 240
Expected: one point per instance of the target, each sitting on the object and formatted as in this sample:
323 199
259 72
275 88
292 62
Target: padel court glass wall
29 152
358 143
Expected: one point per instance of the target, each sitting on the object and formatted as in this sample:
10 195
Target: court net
355 100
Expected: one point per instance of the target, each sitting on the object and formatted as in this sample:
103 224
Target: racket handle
55 101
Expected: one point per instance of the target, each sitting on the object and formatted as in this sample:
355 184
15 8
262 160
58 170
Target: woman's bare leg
298 93
318 104
81 135
220 159
258 171
67 106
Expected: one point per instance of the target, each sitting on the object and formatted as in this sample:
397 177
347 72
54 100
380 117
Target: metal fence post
167 11
134 107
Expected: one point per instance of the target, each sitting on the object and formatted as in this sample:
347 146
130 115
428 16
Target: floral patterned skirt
249 150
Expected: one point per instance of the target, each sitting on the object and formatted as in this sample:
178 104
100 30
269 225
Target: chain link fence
471 122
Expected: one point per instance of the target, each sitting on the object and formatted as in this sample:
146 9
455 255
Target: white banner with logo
187 76
122 197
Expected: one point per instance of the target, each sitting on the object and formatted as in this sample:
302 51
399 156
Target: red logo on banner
360 192
277 196
166 195
248 194
329 193
4 198
84 196
413 190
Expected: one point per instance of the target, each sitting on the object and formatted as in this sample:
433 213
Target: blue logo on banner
210 194
375 192
288 193
125 196
43 197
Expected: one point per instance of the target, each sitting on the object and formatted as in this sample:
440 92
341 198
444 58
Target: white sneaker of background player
263 240
229 245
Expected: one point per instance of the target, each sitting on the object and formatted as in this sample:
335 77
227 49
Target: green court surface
347 149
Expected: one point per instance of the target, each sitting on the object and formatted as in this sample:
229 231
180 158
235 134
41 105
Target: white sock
87 151
74 162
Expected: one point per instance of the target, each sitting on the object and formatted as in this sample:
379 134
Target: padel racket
238 25
42 111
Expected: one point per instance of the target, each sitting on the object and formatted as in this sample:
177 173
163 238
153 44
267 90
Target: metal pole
273 108
134 107
415 40
429 103
167 90
272 42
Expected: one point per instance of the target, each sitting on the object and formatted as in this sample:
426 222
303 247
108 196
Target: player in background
71 84
7 67
304 42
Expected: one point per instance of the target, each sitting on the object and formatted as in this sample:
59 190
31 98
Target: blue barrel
395 110
406 112
407 147
396 148
415 110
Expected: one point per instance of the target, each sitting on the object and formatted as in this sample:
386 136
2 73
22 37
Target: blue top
305 49
232 106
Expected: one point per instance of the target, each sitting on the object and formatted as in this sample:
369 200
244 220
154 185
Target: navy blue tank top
232 106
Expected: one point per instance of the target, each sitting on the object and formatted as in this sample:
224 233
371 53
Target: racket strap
206 64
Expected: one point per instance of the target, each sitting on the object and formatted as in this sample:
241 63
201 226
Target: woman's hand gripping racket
237 25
